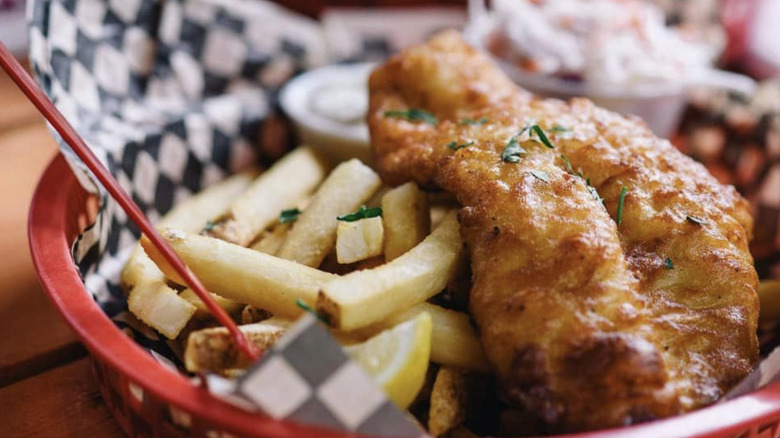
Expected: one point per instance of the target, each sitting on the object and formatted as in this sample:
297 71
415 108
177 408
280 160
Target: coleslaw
615 42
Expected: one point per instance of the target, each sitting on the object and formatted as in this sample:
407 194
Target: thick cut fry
769 296
273 240
281 187
459 287
226 304
149 297
370 263
190 216
437 214
242 274
359 240
449 401
314 233
234 373
251 314
213 349
454 342
160 307
369 296
406 217
376 198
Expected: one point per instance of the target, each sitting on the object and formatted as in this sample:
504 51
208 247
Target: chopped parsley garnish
567 163
558 128
542 136
591 189
513 150
361 213
414 115
668 263
541 175
470 121
287 216
209 226
307 308
455 146
695 220
621 202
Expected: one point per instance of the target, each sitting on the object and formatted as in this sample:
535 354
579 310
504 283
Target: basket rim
51 255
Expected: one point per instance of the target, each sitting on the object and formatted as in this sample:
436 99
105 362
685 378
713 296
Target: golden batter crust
587 323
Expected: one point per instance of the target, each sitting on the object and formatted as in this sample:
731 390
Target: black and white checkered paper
327 390
172 96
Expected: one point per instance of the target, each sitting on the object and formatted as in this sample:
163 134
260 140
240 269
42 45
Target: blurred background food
602 43
621 54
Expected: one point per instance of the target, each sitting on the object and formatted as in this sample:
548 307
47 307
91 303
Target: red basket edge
50 234
50 248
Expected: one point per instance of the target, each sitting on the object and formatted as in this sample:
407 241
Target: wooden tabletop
46 386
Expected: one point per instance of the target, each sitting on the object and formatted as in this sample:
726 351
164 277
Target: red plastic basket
149 400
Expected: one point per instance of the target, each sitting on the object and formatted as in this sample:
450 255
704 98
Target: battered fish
593 312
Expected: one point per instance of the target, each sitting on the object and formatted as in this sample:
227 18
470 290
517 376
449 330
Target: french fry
271 242
331 264
769 297
281 187
233 373
213 349
359 240
191 215
449 401
406 217
149 297
376 198
437 214
251 314
459 287
365 297
454 342
370 263
226 304
159 306
313 235
242 274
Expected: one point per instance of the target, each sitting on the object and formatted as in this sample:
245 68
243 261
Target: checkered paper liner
330 390
173 96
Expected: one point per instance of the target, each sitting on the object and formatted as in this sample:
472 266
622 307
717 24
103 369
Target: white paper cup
336 139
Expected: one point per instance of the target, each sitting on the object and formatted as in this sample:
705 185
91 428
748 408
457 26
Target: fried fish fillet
590 318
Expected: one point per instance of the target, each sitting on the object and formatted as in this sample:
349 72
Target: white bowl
660 105
328 108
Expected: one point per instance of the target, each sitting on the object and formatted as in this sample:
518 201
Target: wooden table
46 386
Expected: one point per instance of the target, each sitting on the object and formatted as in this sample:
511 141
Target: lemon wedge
398 358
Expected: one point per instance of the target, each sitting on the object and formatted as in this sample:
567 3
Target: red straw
23 80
